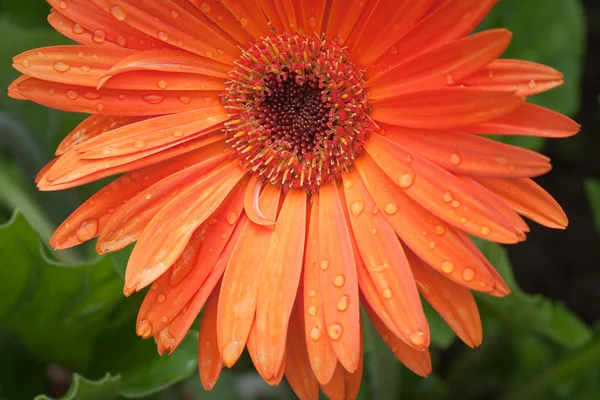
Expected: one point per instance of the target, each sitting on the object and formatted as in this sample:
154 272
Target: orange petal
469 154
250 16
195 264
418 361
251 203
220 15
313 12
209 359
178 328
387 23
298 370
279 282
444 108
166 235
529 120
252 351
69 170
73 31
320 353
442 66
90 17
388 267
270 9
91 127
342 19
115 101
453 302
242 278
454 19
335 389
526 77
432 186
428 236
99 209
337 279
528 199
153 133
345 385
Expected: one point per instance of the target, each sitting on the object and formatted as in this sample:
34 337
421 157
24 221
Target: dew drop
85 68
312 21
450 79
348 184
148 196
71 94
315 334
335 331
312 311
447 197
118 13
80 55
312 294
87 229
99 36
139 144
208 54
406 180
357 207
455 204
161 84
205 7
40 54
121 40
417 338
121 97
61 66
324 265
375 210
532 84
100 107
51 92
63 5
152 98
394 50
163 36
339 280
67 225
468 274
491 75
439 230
463 220
184 99
386 338
164 318
232 218
447 266
91 95
342 303
143 329
455 159
409 158
243 21
161 298
374 231
431 245
390 208
174 14
485 230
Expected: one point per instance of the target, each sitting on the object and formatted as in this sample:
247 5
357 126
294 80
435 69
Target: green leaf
592 190
84 389
55 309
531 312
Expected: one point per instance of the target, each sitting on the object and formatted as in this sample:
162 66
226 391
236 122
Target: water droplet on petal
152 98
51 92
532 84
339 280
447 266
450 79
491 75
91 95
348 183
174 14
205 7
85 68
161 298
164 318
61 66
139 144
386 293
455 204
121 40
63 5
40 54
335 331
342 303
391 208
439 230
80 54
163 36
447 197
374 231
243 21
26 63
232 218
485 230
357 207
431 245
375 210
463 220
455 159
144 329
118 13
311 293
71 94
315 334
161 84
312 21
184 99
468 274
312 311
87 229
417 338
406 180
99 36
324 265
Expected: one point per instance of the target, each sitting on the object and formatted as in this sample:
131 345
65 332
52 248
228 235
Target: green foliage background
66 311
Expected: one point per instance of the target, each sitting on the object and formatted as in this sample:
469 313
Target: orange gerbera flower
286 161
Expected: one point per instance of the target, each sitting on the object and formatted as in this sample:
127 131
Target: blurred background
67 332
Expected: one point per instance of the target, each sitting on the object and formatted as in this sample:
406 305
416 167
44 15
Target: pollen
299 115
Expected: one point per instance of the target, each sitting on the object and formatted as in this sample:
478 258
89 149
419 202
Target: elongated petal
526 77
323 359
442 66
252 350
388 267
313 12
74 31
342 19
387 22
279 284
250 16
337 279
444 108
251 203
180 283
469 154
418 361
241 281
345 385
166 235
528 199
220 15
209 359
114 101
529 120
91 127
454 19
453 302
428 184
428 236
298 371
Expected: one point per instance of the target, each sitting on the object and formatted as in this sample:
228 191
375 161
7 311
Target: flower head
285 162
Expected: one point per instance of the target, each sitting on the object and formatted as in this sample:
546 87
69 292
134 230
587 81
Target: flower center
299 115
